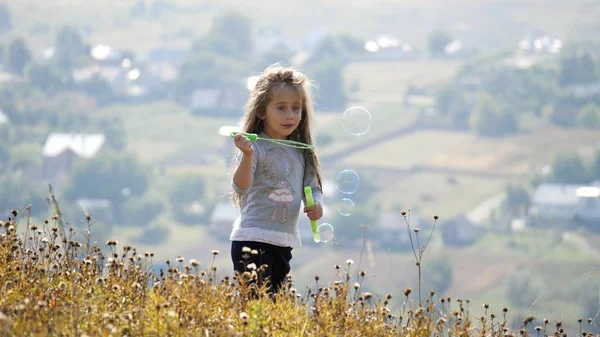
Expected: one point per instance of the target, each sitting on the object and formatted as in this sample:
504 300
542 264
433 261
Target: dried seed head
417 229
317 278
337 266
407 291
363 273
349 262
388 296
435 217
112 242
14 212
486 306
246 250
215 252
505 309
356 285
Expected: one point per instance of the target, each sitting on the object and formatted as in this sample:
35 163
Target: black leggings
276 258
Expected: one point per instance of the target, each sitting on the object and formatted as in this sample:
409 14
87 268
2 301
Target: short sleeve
254 163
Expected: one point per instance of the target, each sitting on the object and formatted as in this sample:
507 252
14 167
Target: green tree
219 60
18 56
589 116
437 275
490 119
69 48
236 28
523 289
4 157
568 70
143 210
107 176
568 168
437 42
43 77
5 18
207 70
138 9
114 130
577 69
517 196
18 192
185 190
595 170
280 53
330 85
452 102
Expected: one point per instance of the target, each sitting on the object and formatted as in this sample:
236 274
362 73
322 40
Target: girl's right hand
244 144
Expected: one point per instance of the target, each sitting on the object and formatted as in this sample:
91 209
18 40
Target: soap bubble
346 207
325 231
347 181
356 120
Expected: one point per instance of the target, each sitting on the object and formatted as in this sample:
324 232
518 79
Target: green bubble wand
285 142
313 223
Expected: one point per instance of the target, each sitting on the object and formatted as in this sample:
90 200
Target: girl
268 179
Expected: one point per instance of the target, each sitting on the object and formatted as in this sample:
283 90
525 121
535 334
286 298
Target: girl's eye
281 108
296 108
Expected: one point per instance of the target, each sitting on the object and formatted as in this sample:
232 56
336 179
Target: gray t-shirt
270 207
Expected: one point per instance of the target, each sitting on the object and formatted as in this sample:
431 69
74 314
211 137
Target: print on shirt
278 168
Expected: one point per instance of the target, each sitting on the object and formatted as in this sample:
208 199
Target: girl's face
283 113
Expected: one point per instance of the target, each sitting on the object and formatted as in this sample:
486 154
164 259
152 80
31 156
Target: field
511 155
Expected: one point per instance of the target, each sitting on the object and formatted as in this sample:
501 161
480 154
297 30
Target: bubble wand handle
313 223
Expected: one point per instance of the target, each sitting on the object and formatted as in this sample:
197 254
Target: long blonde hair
276 76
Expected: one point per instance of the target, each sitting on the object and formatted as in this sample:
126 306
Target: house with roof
566 205
62 150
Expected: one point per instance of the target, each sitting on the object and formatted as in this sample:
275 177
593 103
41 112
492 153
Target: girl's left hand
315 212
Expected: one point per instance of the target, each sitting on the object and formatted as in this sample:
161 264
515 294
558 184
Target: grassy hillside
173 22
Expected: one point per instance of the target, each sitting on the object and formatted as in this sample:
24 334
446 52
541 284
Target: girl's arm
244 173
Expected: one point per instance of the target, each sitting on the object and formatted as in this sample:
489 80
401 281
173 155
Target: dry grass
53 284
380 79
432 193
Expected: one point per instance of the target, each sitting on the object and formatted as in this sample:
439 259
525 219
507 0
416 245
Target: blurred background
485 113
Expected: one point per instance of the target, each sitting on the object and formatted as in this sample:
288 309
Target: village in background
499 136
